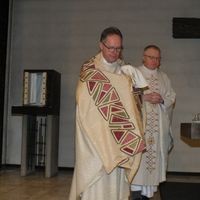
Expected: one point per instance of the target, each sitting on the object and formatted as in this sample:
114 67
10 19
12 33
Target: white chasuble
109 136
158 137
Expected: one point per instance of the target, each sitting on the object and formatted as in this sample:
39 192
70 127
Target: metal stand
40 111
40 144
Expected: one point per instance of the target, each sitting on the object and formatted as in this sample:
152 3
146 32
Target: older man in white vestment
109 133
158 101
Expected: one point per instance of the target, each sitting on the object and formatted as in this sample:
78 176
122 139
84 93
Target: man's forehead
152 50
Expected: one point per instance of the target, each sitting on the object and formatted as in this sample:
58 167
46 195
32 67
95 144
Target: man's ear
143 59
100 45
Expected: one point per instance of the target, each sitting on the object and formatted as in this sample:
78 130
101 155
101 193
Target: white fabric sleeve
136 76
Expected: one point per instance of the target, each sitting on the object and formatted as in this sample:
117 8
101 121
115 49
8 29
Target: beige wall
62 34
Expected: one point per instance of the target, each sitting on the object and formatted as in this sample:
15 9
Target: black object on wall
4 13
186 27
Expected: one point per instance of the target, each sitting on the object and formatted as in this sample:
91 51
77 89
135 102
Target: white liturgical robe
158 135
109 134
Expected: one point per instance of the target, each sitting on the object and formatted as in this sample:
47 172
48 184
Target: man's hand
153 98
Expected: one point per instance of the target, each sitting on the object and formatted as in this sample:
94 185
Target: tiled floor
36 186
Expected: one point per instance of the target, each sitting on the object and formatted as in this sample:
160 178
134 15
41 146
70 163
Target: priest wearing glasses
109 131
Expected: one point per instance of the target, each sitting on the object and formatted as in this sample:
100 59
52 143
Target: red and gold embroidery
112 110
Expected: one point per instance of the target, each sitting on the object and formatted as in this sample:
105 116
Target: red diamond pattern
109 105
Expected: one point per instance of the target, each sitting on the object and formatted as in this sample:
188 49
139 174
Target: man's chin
112 61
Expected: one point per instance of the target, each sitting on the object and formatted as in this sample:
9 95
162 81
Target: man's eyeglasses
113 49
153 57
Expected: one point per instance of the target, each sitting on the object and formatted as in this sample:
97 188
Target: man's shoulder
88 63
162 72
163 75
